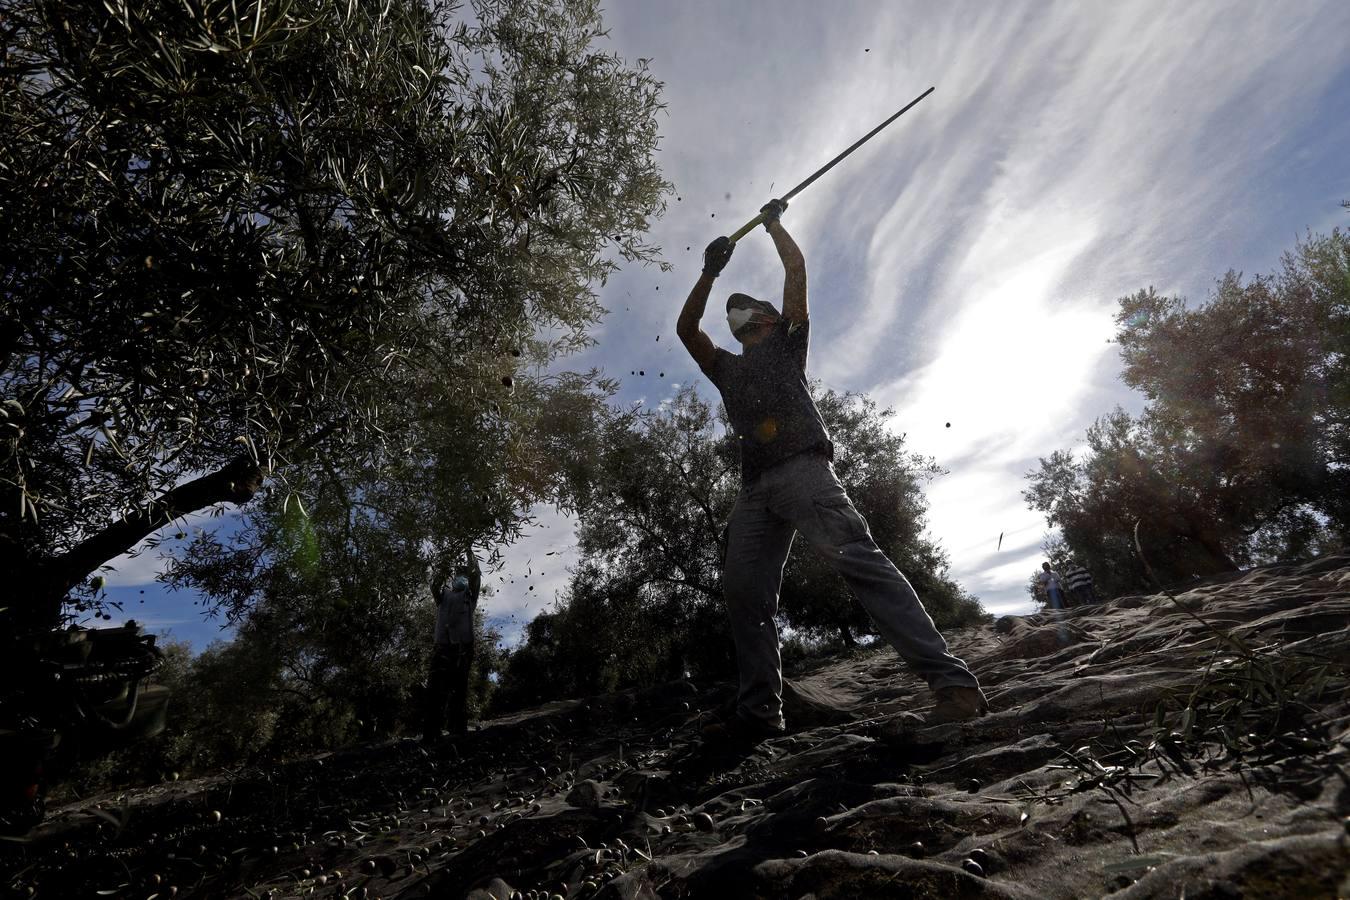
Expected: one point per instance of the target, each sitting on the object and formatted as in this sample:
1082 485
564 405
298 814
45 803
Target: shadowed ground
1073 787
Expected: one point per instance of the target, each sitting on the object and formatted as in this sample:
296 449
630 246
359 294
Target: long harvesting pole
745 229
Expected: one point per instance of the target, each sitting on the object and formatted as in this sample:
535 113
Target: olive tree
234 231
1241 454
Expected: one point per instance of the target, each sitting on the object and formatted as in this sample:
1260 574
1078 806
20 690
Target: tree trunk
846 635
235 483
1212 546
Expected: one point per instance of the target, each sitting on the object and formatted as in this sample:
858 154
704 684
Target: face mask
743 310
738 318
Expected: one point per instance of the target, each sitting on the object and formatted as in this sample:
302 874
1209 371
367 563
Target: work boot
957 704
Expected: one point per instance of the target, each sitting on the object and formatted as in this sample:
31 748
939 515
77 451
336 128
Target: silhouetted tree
1242 454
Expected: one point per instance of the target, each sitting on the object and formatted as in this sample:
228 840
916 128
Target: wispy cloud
142 568
964 265
1096 157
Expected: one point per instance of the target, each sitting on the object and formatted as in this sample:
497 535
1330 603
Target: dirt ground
1193 746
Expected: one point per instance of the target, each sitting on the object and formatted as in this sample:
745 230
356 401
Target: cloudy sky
964 265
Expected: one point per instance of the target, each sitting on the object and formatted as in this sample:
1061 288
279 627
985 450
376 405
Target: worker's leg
757 547
813 500
438 687
459 688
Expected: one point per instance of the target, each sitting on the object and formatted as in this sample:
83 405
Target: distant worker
1078 581
452 656
788 484
1052 586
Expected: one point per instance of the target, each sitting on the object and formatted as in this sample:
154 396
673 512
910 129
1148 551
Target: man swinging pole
789 486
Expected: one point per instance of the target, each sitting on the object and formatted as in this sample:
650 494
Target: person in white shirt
1052 585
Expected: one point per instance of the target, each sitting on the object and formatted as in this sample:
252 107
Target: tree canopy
241 234
1242 452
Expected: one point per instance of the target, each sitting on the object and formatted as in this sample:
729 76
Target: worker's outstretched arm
694 338
794 272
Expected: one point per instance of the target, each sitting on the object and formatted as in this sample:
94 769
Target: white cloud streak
965 264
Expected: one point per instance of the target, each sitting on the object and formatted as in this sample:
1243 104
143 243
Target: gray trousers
803 494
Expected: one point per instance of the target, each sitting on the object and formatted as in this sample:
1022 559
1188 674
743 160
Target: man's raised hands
772 211
717 255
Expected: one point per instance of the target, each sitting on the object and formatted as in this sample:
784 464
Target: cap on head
744 312
460 583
